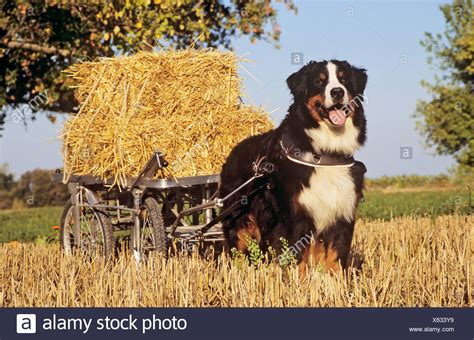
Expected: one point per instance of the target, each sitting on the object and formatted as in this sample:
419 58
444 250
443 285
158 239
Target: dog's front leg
329 249
245 228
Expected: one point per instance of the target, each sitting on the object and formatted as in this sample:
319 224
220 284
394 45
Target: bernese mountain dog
310 192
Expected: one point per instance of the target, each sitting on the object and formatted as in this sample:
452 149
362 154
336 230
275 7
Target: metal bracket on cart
260 168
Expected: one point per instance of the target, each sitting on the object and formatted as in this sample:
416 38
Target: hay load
183 103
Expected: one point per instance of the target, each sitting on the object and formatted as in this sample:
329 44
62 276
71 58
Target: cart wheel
152 228
96 231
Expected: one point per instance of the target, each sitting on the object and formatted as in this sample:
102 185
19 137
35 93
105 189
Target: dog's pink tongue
337 117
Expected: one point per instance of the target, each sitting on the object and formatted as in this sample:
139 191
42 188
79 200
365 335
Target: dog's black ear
297 83
358 79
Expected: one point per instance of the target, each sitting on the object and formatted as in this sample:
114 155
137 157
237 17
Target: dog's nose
337 92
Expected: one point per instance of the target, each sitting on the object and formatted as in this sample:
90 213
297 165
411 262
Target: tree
447 120
36 189
7 179
7 183
39 39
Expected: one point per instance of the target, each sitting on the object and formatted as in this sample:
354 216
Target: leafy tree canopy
39 39
447 120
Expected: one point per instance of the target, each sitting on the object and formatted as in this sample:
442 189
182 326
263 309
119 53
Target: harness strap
224 213
296 155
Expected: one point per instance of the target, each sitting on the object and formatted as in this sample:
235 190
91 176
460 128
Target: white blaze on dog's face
335 92
336 95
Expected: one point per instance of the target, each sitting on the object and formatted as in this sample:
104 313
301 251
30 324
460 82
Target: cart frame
86 193
194 197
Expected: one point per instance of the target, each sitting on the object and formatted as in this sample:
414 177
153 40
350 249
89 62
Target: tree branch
35 48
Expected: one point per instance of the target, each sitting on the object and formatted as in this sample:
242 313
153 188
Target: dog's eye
319 81
343 81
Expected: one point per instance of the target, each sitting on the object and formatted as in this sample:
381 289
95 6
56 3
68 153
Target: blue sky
382 37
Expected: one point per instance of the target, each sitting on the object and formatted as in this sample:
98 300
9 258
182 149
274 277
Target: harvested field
404 262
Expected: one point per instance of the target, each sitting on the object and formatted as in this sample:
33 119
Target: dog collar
310 159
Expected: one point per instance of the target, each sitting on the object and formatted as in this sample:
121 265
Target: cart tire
152 228
97 240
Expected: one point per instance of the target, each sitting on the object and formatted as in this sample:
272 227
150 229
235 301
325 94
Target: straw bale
184 103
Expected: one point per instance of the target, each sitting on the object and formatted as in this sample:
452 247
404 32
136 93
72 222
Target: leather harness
307 158
294 154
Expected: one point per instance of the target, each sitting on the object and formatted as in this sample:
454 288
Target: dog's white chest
329 197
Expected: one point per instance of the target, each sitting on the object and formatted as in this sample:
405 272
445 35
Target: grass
410 181
33 224
404 262
385 205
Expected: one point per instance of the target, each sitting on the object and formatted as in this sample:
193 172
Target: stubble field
403 262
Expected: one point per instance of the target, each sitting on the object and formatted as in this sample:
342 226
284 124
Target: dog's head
330 90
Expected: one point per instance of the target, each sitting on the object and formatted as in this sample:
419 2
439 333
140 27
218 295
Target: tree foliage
7 183
447 120
34 189
39 39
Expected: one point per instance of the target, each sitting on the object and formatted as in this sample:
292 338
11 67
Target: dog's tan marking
248 231
318 253
311 106
331 260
